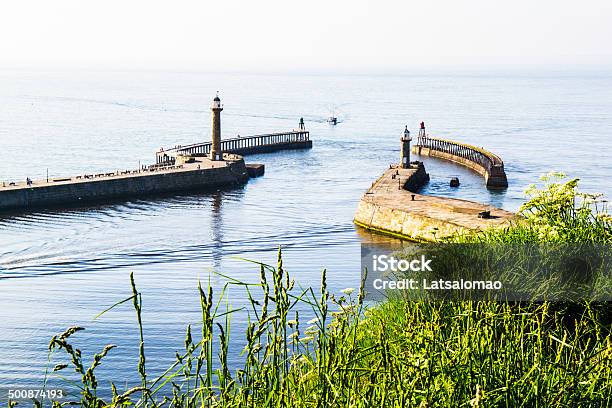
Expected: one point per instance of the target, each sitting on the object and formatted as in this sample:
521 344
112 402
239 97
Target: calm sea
61 268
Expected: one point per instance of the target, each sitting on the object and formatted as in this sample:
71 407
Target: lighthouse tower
405 156
215 150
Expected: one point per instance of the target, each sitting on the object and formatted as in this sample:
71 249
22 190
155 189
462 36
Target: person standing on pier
302 126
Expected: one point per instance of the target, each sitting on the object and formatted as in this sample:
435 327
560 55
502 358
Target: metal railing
240 145
474 154
488 164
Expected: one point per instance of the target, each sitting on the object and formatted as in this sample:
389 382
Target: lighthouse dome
216 103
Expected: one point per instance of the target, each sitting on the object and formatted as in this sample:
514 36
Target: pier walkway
392 207
201 173
243 146
489 165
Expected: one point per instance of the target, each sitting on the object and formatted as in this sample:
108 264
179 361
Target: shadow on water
217 229
54 263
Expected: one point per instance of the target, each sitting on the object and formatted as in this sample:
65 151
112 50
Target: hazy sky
286 34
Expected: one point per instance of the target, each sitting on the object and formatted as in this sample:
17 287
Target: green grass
397 354
489 353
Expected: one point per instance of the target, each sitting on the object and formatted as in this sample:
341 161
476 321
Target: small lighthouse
405 154
216 108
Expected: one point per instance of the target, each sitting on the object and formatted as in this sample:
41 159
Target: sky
314 34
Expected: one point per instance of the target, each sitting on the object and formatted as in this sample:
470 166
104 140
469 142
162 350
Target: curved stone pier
392 206
489 165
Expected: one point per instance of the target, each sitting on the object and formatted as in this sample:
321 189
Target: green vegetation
399 353
555 213
558 250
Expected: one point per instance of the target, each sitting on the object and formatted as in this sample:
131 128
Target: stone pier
393 206
179 169
197 174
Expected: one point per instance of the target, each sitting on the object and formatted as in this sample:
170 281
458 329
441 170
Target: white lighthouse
405 155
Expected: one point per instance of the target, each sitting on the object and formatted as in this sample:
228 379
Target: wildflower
348 291
306 339
475 402
313 320
300 360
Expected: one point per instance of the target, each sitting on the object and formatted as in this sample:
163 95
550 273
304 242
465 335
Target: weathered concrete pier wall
200 174
392 206
489 165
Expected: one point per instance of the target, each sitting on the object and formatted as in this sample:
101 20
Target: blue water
61 268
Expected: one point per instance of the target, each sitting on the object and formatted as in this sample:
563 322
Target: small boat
332 120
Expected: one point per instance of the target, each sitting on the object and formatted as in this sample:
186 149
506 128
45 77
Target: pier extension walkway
489 165
243 146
